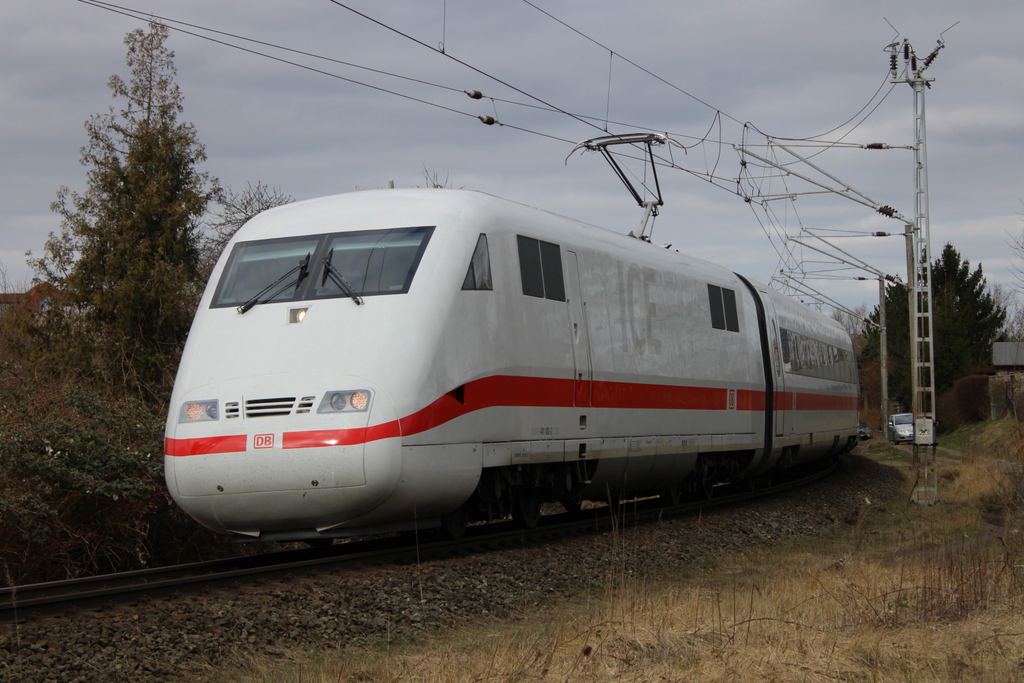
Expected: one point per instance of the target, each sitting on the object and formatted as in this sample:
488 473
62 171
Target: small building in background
1006 385
34 299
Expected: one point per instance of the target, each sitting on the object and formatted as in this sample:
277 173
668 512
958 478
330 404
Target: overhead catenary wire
198 31
715 134
708 175
785 250
719 112
139 14
469 66
176 25
631 62
585 120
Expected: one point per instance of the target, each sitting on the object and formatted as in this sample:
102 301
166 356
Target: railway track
21 603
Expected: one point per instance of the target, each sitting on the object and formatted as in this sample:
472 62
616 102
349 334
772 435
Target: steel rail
19 603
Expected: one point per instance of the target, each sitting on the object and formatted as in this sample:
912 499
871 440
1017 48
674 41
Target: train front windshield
369 262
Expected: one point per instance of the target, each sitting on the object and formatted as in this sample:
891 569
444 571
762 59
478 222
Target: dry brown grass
1000 439
980 483
898 595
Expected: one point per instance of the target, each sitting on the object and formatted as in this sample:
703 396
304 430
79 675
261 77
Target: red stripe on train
536 392
206 445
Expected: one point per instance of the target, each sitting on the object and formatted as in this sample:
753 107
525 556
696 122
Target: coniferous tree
127 258
966 319
970 319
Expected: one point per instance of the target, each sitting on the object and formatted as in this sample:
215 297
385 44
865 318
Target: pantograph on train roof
647 142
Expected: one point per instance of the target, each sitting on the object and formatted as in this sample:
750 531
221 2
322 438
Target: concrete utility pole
883 357
919 275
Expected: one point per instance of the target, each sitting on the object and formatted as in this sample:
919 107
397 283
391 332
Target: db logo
263 441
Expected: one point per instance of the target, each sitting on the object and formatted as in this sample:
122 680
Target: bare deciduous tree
237 208
853 320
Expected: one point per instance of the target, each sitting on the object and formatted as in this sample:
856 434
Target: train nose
274 464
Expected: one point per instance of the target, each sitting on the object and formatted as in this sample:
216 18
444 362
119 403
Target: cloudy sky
378 96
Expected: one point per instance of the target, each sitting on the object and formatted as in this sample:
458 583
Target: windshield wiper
303 270
338 279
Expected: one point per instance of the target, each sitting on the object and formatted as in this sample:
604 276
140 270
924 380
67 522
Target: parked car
864 433
901 428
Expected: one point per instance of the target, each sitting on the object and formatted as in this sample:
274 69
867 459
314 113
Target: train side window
717 307
540 264
479 274
732 322
529 266
551 263
724 315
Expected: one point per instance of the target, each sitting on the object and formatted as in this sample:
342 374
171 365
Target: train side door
782 401
583 371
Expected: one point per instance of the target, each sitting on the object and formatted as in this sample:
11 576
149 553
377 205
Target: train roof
389 208
379 209
373 209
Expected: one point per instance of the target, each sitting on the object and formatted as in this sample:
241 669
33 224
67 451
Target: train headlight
345 402
338 402
199 411
359 400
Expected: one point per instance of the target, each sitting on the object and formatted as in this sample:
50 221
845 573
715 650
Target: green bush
81 485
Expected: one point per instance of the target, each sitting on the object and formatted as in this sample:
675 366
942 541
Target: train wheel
763 481
702 482
571 496
526 508
453 525
670 497
571 503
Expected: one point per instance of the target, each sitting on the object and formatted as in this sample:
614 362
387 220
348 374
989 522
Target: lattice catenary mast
919 274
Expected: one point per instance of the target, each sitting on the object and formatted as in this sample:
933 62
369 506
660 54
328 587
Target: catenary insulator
489 120
475 94
880 234
875 145
886 211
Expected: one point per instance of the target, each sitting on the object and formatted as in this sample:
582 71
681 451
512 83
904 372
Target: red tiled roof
33 298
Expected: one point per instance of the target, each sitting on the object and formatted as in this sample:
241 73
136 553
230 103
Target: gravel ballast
181 638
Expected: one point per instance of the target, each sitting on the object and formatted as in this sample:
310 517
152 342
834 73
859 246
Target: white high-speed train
397 359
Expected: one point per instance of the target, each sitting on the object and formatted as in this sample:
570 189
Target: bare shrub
948 413
972 398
